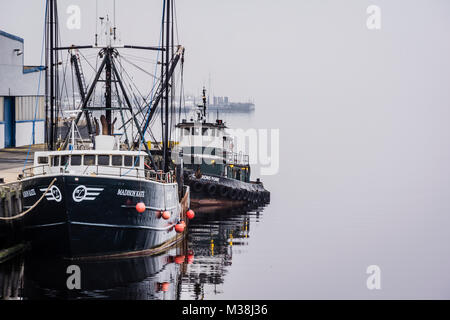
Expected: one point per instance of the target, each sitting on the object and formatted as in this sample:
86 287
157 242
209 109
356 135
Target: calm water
196 269
340 202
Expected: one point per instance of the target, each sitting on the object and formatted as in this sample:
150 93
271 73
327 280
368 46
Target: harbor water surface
340 202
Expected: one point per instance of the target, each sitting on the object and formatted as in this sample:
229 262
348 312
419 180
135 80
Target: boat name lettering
29 193
210 178
131 193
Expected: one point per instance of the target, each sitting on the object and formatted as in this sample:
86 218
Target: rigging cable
153 86
32 139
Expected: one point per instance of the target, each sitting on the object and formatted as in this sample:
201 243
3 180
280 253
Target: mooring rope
32 207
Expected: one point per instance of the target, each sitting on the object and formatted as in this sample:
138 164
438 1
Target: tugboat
215 173
104 196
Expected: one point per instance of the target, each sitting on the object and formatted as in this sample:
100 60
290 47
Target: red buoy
166 215
190 214
190 259
165 286
140 207
179 227
179 259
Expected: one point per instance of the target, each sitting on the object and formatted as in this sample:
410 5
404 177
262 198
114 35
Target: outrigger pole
166 95
51 74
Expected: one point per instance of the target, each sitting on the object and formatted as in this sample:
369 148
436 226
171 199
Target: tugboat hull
212 190
83 216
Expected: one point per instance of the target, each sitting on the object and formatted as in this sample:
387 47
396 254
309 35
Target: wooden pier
11 204
11 201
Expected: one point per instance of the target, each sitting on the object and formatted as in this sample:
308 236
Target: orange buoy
179 259
179 227
165 286
190 214
190 259
140 207
166 215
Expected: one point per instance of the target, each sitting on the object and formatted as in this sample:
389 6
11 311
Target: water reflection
216 236
194 269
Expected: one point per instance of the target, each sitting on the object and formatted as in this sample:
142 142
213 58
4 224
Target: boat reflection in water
214 237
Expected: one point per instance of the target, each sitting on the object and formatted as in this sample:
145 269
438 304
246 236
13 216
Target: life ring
198 186
224 191
212 188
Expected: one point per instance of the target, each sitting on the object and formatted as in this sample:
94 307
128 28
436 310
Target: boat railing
93 170
238 159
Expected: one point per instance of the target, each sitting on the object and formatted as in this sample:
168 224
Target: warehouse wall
20 84
24 133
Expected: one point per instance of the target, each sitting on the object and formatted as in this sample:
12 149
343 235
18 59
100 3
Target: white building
21 105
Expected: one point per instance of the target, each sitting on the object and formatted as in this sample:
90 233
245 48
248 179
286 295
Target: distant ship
222 104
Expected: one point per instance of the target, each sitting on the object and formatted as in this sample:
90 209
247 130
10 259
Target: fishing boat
105 195
216 174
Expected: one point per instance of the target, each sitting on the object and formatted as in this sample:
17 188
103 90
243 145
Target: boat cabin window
195 131
117 161
205 131
75 160
43 160
128 161
213 132
89 160
103 160
64 160
55 161
136 161
186 131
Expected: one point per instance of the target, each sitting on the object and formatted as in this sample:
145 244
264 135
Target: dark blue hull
226 189
96 216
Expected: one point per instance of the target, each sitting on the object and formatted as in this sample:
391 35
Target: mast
51 73
108 101
52 76
166 98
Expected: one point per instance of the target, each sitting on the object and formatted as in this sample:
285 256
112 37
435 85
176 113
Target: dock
11 204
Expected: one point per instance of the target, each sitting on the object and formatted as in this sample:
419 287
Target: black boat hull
217 190
82 216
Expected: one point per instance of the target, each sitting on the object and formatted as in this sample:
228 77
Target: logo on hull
54 194
84 193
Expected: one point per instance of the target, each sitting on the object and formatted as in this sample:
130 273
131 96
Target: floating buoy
190 257
179 259
165 286
140 207
179 227
166 215
190 214
183 223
